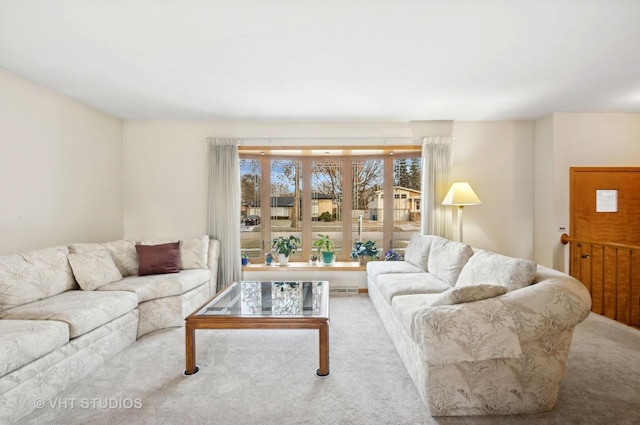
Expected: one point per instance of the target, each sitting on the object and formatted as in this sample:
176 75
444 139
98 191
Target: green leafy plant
323 244
365 249
285 245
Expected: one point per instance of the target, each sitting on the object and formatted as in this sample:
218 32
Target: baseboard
348 290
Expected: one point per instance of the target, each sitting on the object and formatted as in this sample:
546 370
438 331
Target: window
250 207
286 200
327 183
340 196
406 203
367 208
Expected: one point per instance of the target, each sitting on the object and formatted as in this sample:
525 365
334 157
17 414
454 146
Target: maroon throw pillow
158 259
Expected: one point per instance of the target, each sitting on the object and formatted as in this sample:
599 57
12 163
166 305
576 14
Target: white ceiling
330 59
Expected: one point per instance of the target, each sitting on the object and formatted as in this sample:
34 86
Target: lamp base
460 211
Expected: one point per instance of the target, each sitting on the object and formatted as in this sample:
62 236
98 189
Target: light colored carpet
267 377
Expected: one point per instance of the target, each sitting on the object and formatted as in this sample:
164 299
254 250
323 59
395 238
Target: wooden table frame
194 322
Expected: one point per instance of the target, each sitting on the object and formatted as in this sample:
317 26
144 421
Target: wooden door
605 208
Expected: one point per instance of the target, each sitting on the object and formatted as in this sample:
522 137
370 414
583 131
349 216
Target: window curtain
437 160
224 207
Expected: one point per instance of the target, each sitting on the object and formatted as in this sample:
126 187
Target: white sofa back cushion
29 277
418 249
446 259
495 269
194 252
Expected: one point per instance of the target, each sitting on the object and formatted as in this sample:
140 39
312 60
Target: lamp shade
461 194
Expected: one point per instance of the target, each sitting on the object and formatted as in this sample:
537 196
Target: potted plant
313 259
365 251
284 247
245 259
268 258
325 247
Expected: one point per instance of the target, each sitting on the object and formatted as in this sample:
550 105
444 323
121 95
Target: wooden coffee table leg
324 350
190 348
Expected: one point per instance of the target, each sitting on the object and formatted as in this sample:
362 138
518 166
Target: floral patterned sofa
65 310
479 333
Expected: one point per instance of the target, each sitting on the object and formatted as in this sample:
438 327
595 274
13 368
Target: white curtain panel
224 207
437 160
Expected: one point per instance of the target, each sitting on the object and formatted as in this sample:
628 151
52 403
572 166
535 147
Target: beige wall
60 169
165 177
496 158
546 228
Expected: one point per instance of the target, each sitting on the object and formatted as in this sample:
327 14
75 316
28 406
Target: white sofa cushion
123 253
417 252
487 267
94 269
83 311
24 341
32 276
391 285
160 285
377 268
447 258
468 294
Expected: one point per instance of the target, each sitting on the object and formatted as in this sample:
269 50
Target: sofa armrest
496 327
473 331
555 302
212 263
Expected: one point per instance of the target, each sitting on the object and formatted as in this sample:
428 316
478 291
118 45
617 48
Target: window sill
300 265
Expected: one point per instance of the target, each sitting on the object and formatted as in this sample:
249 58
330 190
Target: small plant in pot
283 247
244 258
325 246
365 251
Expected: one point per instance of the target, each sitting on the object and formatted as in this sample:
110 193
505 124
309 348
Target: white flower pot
283 260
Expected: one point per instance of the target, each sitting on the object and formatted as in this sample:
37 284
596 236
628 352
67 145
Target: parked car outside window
252 220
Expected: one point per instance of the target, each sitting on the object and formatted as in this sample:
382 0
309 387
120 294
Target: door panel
612 275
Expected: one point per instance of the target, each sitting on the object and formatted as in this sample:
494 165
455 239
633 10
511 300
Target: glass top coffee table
264 305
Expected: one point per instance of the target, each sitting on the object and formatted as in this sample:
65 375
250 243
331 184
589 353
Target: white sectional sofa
65 310
479 333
